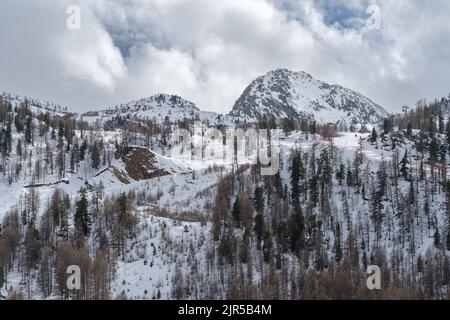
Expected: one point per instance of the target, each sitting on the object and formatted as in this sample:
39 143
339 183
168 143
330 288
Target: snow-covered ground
165 247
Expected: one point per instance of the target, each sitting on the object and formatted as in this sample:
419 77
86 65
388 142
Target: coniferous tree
258 200
434 150
7 139
338 244
29 130
2 276
387 125
409 129
441 123
295 178
324 167
448 241
404 166
443 153
448 131
296 226
83 149
374 135
314 189
236 211
421 171
349 177
259 228
95 155
19 148
18 123
82 219
340 174
437 238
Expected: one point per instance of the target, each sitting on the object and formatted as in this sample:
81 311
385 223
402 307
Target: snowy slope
167 244
35 105
158 108
286 94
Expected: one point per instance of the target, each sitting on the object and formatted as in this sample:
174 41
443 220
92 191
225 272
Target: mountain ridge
280 93
287 94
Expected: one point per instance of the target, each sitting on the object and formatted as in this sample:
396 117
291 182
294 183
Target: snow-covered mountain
280 93
148 219
34 105
159 108
287 94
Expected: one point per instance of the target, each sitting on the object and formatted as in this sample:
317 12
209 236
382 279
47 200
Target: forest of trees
308 232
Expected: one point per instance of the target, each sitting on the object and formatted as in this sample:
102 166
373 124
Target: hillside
160 108
146 219
286 94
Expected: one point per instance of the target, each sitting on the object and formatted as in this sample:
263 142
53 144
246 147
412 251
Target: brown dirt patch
140 164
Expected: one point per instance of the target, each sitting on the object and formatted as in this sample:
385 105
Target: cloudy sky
208 51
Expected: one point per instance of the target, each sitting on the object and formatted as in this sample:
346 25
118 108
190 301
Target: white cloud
209 51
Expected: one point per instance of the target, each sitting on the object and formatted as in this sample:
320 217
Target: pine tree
409 129
72 161
378 196
441 123
448 241
338 244
314 189
60 132
236 211
387 125
2 276
434 150
19 148
420 264
443 153
340 174
421 171
411 194
259 228
374 136
82 219
437 238
18 123
363 192
349 177
258 200
404 166
29 130
61 154
365 260
296 227
325 167
95 155
83 149
7 139
295 178
448 131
